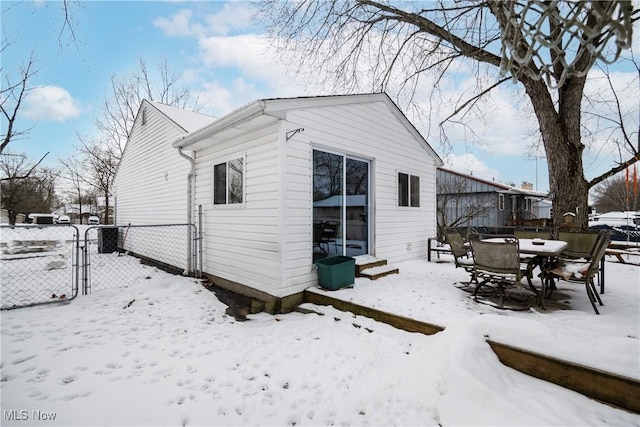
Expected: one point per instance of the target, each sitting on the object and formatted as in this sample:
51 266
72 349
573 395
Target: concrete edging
609 388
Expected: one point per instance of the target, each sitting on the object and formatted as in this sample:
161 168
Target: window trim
409 195
226 161
500 201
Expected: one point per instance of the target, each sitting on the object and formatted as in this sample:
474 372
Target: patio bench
618 253
437 247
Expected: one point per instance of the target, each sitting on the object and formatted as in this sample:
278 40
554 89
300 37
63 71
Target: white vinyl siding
242 245
151 181
369 131
151 184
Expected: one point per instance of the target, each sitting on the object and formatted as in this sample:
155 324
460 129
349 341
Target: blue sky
223 56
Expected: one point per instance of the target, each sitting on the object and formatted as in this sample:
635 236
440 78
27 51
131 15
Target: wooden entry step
373 268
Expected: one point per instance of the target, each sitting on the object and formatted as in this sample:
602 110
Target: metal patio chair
461 253
581 243
585 271
496 266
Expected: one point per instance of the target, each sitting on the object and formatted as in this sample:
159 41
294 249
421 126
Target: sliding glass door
340 205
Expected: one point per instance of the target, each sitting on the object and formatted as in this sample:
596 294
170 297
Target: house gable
261 113
150 183
280 107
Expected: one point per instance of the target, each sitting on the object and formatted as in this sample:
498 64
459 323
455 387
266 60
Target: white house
272 175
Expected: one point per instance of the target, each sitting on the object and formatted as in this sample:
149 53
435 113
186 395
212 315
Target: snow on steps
373 268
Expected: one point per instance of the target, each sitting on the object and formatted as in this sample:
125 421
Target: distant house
78 213
466 200
272 175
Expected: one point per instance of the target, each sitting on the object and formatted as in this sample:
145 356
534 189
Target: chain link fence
39 264
119 256
52 263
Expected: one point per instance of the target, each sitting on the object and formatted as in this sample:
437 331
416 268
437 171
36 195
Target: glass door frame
369 197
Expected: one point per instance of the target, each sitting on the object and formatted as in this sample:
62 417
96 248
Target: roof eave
238 116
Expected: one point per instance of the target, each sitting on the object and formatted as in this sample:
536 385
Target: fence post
190 266
77 261
200 238
193 232
85 263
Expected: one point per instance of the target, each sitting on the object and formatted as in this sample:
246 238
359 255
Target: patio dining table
544 252
539 253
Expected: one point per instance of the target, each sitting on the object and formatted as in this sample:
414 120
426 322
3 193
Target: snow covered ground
162 351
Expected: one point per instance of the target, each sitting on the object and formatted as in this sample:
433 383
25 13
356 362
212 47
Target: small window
228 182
501 202
414 188
408 190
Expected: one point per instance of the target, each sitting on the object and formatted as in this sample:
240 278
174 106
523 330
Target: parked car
93 220
63 219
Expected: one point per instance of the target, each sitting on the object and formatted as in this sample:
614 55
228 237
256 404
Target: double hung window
228 182
408 190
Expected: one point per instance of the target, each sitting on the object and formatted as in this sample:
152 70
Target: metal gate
119 256
43 264
40 264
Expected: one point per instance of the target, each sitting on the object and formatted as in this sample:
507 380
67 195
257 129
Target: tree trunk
13 215
560 130
106 207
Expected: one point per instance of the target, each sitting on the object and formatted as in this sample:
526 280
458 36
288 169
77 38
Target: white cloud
51 103
469 164
177 26
248 53
225 98
231 17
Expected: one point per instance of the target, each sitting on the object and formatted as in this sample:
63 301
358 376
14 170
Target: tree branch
622 166
475 98
29 172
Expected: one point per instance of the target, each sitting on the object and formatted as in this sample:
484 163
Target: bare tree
101 161
457 204
12 94
15 88
121 105
388 45
612 121
24 188
615 194
120 108
73 170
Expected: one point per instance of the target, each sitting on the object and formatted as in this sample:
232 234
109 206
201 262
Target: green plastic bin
336 272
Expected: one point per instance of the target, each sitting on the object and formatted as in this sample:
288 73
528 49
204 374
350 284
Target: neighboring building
4 217
78 213
466 200
627 219
268 174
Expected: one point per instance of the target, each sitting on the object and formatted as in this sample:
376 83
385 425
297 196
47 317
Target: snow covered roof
188 120
499 186
616 219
